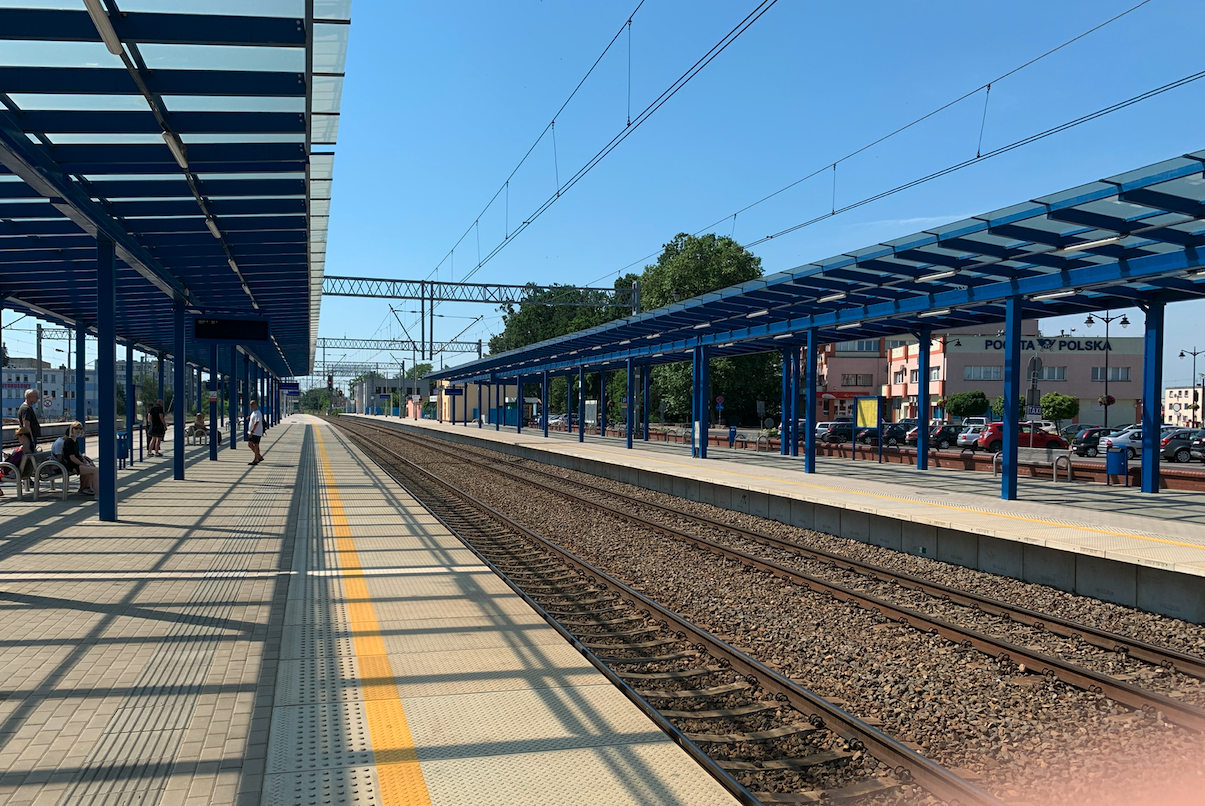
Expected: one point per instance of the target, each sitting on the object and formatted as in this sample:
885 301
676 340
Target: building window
935 373
1115 373
859 346
982 373
898 377
914 376
857 380
1053 374
893 343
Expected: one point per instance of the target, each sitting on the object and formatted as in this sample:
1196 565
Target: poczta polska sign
1054 345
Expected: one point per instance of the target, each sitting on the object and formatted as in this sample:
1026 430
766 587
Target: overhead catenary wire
895 132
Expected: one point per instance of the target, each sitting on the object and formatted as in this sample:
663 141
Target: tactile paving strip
319 736
306 641
349 786
317 679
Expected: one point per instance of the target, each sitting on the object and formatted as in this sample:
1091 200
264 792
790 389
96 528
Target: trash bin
122 453
732 436
1117 464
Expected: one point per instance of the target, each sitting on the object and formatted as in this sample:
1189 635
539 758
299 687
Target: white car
969 438
1129 440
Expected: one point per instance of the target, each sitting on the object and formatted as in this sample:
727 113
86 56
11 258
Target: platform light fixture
1055 295
701 325
756 314
784 336
834 297
177 148
849 326
213 228
940 275
1079 247
938 312
100 19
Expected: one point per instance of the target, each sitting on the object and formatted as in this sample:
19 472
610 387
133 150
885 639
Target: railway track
1132 696
767 739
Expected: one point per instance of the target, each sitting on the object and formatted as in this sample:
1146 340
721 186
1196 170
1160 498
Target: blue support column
246 399
645 372
179 397
631 414
694 403
795 400
106 362
232 393
466 404
200 392
1012 394
1152 396
519 405
809 404
785 407
480 410
159 371
81 380
602 403
705 400
452 420
924 347
544 404
581 404
214 403
131 401
499 395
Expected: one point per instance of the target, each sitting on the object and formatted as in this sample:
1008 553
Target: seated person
24 449
56 450
76 462
198 424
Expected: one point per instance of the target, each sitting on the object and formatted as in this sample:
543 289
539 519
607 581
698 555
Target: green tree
967 404
998 406
316 400
689 266
419 371
1058 407
533 322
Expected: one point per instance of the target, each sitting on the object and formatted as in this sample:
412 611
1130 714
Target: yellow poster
867 412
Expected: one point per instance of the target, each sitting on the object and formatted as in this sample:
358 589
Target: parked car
837 433
1070 432
1087 441
1043 425
1197 446
941 437
992 438
1177 445
969 421
822 428
893 434
969 437
1129 440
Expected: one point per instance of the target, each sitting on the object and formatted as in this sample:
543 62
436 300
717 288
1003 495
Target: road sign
47 402
453 391
719 406
719 400
1034 411
213 397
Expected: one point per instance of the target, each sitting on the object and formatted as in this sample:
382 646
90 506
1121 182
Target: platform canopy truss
198 143
1124 241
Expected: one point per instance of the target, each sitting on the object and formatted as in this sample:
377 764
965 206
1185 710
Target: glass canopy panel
221 57
322 166
332 9
57 54
324 129
234 8
328 93
1119 209
85 138
99 103
320 207
232 103
253 176
330 47
320 188
241 138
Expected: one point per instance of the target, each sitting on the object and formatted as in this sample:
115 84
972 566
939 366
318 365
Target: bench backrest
1040 454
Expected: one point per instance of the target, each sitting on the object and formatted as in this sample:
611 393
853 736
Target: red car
992 438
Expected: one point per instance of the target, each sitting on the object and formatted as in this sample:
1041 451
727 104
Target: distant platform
1113 543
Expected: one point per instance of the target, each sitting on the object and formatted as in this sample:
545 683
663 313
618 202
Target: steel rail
1183 714
907 764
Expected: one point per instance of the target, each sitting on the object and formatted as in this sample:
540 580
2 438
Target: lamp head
1181 353
1089 321
1125 322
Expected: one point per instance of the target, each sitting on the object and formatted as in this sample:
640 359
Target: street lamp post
1194 352
1107 320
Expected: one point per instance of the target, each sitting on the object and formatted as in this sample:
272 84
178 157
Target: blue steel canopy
1114 243
197 142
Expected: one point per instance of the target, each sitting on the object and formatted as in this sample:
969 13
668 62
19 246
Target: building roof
202 150
1114 243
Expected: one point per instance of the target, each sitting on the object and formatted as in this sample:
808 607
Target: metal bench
1038 456
36 468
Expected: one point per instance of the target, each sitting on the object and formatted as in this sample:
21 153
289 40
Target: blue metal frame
1012 394
214 385
131 400
784 441
179 397
1152 397
581 404
602 403
794 407
544 403
106 363
645 373
924 353
232 394
631 410
809 438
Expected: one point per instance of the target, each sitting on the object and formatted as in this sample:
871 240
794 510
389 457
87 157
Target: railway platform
1112 543
301 632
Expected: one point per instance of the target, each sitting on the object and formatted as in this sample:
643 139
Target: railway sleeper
688 693
843 794
801 763
753 737
684 674
726 713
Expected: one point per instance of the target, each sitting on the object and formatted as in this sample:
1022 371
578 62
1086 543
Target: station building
1182 406
964 360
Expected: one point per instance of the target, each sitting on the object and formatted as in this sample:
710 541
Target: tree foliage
315 400
1058 407
530 323
967 404
998 406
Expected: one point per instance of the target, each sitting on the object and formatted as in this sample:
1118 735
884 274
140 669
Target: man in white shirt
255 430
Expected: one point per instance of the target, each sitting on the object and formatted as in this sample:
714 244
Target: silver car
969 438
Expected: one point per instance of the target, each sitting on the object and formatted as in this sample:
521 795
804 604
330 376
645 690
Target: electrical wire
900 130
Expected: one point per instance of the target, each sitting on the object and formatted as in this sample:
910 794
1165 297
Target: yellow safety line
398 772
926 503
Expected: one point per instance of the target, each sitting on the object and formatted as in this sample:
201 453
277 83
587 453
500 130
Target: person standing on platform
156 429
27 416
255 430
